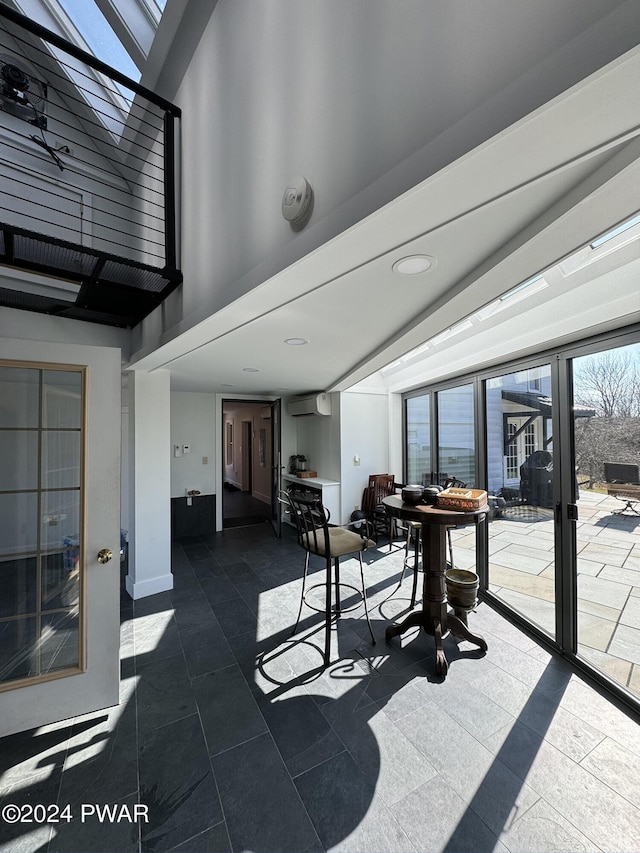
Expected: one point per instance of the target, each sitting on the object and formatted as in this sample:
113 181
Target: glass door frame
539 360
40 550
569 613
421 392
565 504
432 392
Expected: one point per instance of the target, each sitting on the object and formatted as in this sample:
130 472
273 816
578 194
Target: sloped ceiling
510 208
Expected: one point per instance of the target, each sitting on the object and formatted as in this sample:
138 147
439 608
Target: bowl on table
430 494
412 494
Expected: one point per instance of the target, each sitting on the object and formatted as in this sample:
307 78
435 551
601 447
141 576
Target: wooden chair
317 536
380 486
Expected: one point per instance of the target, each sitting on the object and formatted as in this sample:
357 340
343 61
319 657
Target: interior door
276 467
60 494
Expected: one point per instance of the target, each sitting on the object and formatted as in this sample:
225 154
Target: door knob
104 555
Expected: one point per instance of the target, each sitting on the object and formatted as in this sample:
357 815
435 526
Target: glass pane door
456 462
606 426
520 485
418 438
41 464
456 435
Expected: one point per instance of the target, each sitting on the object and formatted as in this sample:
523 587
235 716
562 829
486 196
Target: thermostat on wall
296 201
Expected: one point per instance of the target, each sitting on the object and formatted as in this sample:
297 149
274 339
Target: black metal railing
87 181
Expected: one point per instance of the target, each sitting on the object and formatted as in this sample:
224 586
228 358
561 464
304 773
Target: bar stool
413 542
317 536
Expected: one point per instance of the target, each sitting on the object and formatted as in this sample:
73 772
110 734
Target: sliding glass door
606 446
520 482
456 435
418 438
556 444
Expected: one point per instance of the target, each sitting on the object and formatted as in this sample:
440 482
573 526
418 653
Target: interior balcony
87 182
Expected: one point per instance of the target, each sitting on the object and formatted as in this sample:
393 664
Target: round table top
429 514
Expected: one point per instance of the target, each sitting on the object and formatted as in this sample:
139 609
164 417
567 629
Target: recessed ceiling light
414 264
296 342
251 369
227 385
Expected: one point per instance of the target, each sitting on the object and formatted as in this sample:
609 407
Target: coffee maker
297 463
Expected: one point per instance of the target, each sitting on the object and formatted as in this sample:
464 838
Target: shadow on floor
234 737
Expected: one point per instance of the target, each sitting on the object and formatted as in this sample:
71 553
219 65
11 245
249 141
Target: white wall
318 438
289 437
150 484
340 92
124 465
193 423
396 436
364 433
358 426
196 420
41 327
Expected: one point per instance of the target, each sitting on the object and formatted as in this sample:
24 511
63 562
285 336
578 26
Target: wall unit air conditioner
311 404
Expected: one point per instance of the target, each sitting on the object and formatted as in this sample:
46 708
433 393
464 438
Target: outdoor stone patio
521 573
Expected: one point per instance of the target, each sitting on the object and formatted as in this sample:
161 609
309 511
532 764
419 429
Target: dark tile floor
240 509
235 739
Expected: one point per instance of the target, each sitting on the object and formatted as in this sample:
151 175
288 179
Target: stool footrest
341 586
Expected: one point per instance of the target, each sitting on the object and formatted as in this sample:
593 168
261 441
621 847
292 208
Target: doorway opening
247 463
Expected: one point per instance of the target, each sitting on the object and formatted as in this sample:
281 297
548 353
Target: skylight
520 291
159 4
515 294
117 33
607 243
615 232
99 37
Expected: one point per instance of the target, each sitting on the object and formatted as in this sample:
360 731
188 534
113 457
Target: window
229 443
512 452
529 440
456 434
418 425
522 439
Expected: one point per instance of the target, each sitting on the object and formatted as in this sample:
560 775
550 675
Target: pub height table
434 616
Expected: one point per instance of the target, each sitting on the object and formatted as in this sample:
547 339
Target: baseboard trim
153 586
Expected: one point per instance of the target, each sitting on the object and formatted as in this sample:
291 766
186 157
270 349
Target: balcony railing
87 182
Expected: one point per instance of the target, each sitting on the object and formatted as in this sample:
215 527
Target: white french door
59 510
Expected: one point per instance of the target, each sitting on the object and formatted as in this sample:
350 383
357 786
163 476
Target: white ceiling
509 209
